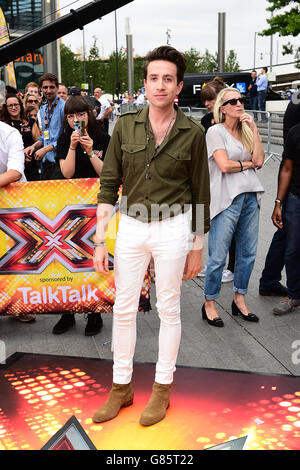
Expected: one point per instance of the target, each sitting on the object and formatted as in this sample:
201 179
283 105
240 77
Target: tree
138 72
209 62
71 68
285 23
94 53
95 67
193 60
110 72
232 64
102 72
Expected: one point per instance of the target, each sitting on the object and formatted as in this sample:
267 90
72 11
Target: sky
191 23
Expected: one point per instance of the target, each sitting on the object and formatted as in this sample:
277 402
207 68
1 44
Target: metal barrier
126 107
270 125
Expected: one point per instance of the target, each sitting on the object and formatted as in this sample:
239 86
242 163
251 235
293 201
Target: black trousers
105 125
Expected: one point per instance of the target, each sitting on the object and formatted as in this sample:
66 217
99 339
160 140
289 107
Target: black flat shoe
236 311
215 322
94 324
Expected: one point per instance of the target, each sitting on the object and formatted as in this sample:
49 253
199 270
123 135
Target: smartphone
77 126
82 127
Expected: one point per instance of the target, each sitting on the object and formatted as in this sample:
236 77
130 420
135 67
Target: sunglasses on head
234 101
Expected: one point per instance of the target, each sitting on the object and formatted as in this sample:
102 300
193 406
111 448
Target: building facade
23 16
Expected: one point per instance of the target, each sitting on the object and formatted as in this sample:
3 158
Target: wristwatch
278 201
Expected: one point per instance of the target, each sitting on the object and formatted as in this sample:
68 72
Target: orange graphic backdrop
46 248
208 406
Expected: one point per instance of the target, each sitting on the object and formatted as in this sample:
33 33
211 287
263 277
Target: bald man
63 91
106 109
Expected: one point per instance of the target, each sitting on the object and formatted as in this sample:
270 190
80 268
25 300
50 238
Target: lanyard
47 119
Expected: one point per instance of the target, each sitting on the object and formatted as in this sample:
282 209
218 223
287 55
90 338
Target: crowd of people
46 145
161 156
45 118
279 255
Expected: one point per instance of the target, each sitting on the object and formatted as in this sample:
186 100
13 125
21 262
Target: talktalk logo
39 240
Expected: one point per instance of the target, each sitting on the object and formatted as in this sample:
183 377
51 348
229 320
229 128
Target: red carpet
39 393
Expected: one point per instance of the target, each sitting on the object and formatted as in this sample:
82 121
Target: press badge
46 135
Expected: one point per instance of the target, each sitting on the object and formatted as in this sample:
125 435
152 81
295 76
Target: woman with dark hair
208 97
14 115
31 112
80 156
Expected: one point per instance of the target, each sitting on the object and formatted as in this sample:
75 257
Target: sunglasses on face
32 101
234 101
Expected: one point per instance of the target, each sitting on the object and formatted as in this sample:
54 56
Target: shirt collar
181 121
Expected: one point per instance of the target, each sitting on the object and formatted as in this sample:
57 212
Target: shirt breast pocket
133 158
173 164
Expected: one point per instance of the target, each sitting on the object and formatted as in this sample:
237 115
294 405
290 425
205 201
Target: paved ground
265 347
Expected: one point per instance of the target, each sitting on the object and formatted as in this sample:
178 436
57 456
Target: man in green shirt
159 157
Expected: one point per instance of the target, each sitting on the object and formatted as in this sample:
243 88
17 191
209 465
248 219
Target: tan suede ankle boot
120 396
157 406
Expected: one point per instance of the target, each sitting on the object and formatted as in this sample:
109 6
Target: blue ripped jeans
241 218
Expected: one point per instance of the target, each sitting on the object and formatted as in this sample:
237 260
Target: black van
193 82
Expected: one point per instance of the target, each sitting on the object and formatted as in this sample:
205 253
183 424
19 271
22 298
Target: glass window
22 15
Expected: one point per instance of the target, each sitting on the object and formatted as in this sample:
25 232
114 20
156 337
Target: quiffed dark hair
171 55
49 76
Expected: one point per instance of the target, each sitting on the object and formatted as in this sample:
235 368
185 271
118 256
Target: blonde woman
234 153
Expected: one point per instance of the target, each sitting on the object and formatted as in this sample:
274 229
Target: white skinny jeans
168 241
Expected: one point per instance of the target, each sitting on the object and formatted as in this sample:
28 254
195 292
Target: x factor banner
4 38
47 230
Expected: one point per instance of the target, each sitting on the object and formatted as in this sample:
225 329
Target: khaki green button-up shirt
176 178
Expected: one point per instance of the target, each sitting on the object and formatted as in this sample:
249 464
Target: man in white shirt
262 88
12 160
140 99
106 108
11 155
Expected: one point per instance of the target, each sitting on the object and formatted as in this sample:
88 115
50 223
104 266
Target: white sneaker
203 271
227 276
